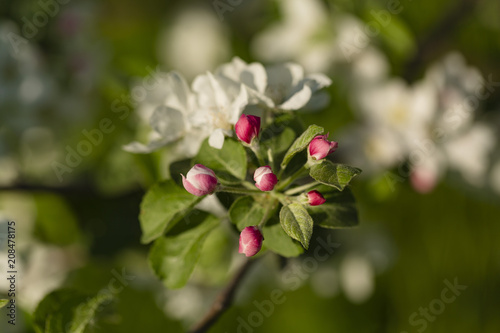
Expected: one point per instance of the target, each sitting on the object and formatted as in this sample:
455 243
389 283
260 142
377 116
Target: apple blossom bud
264 178
423 180
315 198
247 128
320 147
250 241
200 180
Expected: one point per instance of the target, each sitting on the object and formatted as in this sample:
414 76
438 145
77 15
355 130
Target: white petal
238 105
317 81
203 88
297 100
255 77
167 122
216 139
179 91
220 96
284 75
232 70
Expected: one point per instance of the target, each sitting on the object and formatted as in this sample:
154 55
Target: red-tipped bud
320 147
247 128
250 241
200 180
315 198
264 178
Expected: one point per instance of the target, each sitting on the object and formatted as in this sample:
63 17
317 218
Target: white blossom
220 104
169 109
282 86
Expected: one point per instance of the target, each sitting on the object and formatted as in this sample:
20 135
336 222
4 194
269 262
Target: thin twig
223 301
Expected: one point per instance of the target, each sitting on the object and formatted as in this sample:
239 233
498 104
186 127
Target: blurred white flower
169 108
369 67
195 43
9 169
406 111
184 117
24 84
357 278
281 86
301 36
375 148
430 124
45 271
455 83
469 152
395 119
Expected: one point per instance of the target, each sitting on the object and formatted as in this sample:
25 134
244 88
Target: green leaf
279 143
339 210
246 212
297 223
173 257
162 207
276 240
67 310
335 175
302 142
231 158
3 302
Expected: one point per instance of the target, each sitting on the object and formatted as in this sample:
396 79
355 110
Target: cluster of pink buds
201 180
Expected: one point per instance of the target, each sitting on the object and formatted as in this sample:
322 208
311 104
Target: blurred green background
81 231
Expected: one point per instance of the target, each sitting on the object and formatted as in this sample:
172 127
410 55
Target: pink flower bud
320 147
250 241
264 178
200 180
315 198
247 128
423 180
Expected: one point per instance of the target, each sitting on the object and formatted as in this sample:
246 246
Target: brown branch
223 301
441 31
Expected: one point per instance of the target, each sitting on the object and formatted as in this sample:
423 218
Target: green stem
271 159
238 190
281 197
268 209
301 188
292 178
256 150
